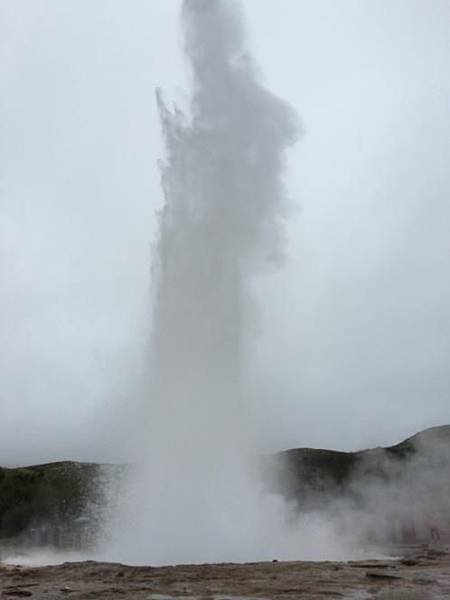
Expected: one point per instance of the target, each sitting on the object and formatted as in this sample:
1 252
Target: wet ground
422 574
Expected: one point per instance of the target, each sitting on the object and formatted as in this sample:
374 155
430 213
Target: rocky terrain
422 573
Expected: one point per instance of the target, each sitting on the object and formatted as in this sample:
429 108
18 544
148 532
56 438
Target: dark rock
382 575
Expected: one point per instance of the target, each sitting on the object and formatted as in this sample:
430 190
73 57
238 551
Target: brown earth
423 574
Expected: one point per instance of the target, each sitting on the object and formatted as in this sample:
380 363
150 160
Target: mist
192 496
353 331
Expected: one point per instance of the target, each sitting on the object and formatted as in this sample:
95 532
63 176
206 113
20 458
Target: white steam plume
193 497
221 221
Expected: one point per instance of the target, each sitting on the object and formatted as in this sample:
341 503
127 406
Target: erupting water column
221 222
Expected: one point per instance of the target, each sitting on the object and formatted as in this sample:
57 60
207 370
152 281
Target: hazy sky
355 344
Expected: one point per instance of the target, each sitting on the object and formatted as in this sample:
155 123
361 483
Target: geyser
193 497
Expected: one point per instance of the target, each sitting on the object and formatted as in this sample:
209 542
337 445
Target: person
409 534
433 523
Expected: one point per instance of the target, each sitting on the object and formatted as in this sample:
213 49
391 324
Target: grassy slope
305 470
51 493
58 493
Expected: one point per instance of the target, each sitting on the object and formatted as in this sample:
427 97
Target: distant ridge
61 503
303 473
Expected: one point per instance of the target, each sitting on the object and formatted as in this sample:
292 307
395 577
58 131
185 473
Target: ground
422 574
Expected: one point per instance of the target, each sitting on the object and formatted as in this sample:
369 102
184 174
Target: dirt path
423 575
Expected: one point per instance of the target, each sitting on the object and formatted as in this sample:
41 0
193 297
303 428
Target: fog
352 339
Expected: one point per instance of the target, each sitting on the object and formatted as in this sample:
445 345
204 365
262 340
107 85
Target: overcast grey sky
354 348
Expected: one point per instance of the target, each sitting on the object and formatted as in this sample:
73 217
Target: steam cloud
221 221
195 494
193 498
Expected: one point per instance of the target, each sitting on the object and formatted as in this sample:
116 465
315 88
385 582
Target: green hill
311 476
63 503
54 503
